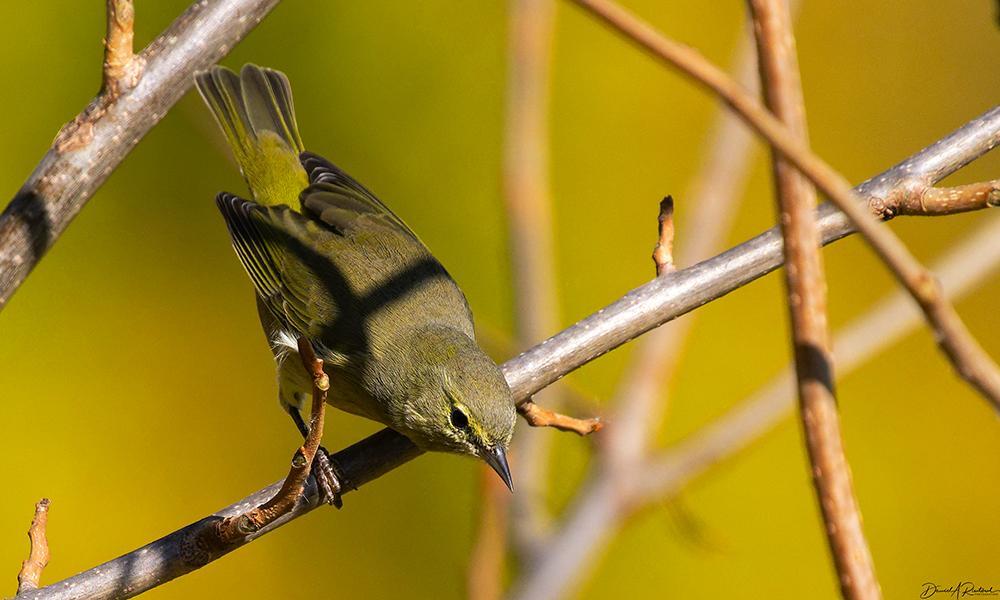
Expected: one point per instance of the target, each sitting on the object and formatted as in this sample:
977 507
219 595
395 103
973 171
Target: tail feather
256 114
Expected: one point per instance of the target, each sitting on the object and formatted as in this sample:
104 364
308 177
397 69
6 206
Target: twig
232 529
663 252
536 416
806 285
38 554
96 141
947 201
644 308
122 68
529 216
954 339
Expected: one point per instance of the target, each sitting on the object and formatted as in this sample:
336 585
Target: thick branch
954 339
92 145
38 554
806 285
640 310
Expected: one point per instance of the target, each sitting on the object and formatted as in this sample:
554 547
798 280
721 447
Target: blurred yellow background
139 396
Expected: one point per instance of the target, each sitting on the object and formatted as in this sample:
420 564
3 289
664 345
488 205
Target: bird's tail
255 111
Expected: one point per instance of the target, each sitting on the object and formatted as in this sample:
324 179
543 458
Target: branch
660 300
948 201
954 339
806 285
536 416
231 529
610 495
38 554
89 148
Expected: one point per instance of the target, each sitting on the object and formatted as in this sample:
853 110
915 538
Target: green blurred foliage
139 395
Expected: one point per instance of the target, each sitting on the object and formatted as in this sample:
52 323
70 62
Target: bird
331 263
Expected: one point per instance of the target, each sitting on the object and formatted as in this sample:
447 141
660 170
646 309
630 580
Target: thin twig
529 215
122 68
232 529
954 339
663 252
98 139
536 416
806 285
640 310
38 554
947 201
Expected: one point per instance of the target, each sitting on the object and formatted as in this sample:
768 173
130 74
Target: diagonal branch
91 146
663 299
806 285
967 356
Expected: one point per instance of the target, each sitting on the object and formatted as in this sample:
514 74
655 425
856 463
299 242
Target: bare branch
231 529
806 285
38 554
90 147
536 416
640 310
955 340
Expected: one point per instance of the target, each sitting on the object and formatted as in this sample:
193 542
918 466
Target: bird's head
456 399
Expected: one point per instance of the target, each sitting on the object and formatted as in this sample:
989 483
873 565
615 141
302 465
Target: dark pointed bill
497 458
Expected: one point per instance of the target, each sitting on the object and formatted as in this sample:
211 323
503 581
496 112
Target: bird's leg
322 468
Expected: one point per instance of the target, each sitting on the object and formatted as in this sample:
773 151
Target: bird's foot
327 479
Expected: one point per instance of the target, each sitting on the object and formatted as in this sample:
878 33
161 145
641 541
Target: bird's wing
285 254
338 200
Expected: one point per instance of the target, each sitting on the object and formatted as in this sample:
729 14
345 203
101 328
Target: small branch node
38 555
536 416
663 252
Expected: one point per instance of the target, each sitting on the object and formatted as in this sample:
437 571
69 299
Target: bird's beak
497 458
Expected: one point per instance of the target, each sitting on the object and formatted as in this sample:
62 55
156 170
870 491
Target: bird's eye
458 418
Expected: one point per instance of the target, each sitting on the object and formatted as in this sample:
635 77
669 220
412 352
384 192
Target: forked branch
91 146
969 359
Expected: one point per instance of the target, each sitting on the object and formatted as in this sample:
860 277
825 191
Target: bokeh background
138 393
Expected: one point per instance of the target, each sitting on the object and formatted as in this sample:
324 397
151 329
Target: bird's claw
327 479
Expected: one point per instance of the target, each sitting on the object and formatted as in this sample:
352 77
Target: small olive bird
330 262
